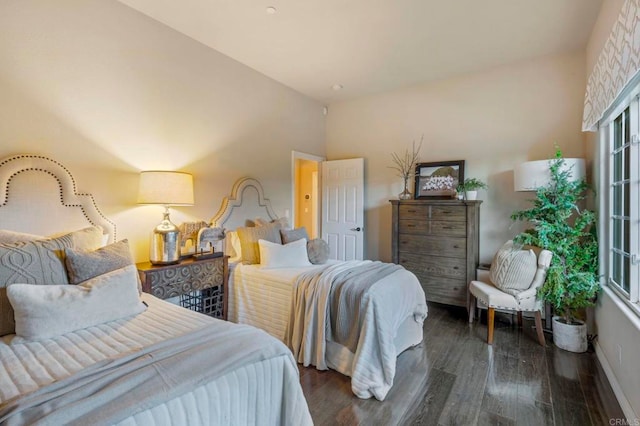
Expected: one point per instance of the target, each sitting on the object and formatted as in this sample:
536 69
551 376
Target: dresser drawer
433 212
449 213
450 291
433 227
429 244
414 212
434 265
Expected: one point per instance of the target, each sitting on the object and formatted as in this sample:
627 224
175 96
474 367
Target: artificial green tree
561 226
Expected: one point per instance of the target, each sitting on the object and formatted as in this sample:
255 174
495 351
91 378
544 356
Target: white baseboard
617 390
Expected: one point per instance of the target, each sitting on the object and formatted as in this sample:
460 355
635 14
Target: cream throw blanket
366 320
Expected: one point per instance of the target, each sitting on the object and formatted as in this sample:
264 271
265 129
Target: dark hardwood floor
455 378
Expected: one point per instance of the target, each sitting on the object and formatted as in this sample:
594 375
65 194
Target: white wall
617 327
494 120
108 92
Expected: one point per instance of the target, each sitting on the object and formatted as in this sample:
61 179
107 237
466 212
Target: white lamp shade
532 175
166 188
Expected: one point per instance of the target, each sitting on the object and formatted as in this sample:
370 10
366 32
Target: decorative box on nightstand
200 284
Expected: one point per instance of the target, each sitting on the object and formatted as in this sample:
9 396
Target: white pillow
292 255
249 236
45 311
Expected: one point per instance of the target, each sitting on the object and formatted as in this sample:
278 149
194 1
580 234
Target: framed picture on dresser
438 179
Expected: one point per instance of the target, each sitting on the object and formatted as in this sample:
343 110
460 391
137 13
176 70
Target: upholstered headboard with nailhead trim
38 195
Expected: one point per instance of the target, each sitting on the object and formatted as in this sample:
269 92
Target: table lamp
532 175
168 189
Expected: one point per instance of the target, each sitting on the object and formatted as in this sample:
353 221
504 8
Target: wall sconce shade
166 188
532 175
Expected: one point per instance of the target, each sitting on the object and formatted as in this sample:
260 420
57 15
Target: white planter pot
571 338
471 195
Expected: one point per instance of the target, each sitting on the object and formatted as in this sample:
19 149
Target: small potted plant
561 226
470 188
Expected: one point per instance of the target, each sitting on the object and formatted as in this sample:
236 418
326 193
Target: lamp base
165 243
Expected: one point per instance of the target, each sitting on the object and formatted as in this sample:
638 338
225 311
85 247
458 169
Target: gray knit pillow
38 262
513 269
84 265
291 235
318 251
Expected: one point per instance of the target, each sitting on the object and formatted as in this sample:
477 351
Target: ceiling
371 46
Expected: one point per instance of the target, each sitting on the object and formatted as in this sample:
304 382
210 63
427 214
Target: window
620 210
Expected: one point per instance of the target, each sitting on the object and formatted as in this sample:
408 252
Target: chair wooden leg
539 328
490 317
519 319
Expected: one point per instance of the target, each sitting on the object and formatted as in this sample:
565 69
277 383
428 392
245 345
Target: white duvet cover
266 392
263 298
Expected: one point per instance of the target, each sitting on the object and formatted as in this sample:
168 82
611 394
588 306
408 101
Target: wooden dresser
438 241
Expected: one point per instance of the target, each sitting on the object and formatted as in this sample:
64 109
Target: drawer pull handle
446 212
456 268
411 211
456 246
411 226
447 227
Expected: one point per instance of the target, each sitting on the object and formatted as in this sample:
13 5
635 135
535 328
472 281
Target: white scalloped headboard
245 203
39 196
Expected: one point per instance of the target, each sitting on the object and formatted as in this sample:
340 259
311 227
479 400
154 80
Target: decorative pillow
89 238
12 237
232 246
318 251
249 237
290 235
105 240
45 311
38 262
512 269
291 255
284 222
258 221
84 265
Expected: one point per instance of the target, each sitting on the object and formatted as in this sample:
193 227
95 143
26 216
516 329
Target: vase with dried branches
405 165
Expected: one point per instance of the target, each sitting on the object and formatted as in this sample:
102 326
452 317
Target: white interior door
343 208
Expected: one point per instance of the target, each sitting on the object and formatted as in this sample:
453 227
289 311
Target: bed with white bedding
166 365
292 304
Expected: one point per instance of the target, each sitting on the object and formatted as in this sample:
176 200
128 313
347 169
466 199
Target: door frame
298 155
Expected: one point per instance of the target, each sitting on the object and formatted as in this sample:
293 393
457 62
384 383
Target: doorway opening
306 178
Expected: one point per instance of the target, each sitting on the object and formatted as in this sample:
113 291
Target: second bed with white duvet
395 312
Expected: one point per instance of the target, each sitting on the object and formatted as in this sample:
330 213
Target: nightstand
200 284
